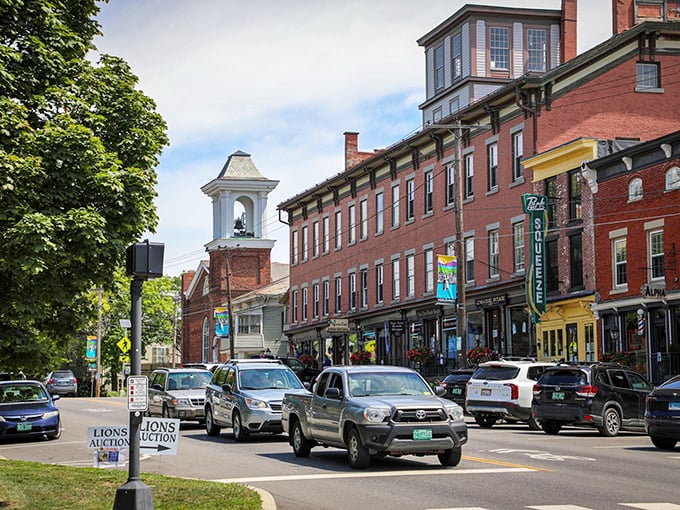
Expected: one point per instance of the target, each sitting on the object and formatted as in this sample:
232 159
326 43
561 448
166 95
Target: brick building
365 243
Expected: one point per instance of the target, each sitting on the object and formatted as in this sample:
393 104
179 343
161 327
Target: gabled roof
202 269
240 166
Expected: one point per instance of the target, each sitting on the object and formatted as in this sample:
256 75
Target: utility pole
98 373
461 312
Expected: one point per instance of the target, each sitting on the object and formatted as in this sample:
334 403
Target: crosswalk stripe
652 506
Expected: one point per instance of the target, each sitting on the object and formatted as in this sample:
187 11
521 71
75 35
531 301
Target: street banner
91 348
447 268
221 321
536 206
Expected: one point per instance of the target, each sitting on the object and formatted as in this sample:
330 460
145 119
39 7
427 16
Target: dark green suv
607 396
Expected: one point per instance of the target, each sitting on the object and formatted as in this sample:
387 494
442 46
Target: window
517 154
206 340
647 76
429 270
395 205
493 253
499 47
437 115
326 234
352 224
338 230
576 260
635 189
552 280
305 242
469 259
620 263
395 279
536 50
656 255
363 219
673 178
364 288
304 304
338 294
249 323
410 275
429 184
457 57
551 193
315 301
379 283
379 223
410 199
492 152
518 247
450 185
352 291
295 306
294 247
454 105
469 176
574 195
315 239
206 286
326 298
439 67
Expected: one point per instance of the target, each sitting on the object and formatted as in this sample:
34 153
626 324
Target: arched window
635 189
673 178
206 341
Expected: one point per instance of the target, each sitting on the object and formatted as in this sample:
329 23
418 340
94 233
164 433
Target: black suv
607 396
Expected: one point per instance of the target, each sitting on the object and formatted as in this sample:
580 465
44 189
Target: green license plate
457 391
24 427
558 395
422 434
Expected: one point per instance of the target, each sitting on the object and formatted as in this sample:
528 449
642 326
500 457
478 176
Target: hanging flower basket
419 354
360 358
479 355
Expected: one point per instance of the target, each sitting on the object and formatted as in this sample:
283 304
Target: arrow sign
159 449
158 436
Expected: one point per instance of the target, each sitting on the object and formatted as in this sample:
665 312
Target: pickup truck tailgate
491 391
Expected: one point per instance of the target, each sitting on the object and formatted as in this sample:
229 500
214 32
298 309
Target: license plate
674 406
558 395
24 427
486 392
422 434
457 391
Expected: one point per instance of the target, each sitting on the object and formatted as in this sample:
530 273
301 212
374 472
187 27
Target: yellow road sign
123 358
124 344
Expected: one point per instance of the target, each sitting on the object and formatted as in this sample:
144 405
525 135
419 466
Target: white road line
379 474
38 444
559 507
652 506
460 508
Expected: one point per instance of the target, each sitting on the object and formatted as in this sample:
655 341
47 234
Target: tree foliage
79 145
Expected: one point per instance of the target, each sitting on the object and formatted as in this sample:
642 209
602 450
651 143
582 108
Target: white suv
503 390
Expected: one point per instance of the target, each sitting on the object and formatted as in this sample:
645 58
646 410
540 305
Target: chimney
568 39
623 15
351 149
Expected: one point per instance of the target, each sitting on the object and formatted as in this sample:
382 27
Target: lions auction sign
536 206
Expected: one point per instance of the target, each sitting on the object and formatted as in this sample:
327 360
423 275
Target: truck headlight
455 412
255 404
179 402
376 414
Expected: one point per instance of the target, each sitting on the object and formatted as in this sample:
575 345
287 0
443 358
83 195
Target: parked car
607 396
27 409
305 373
62 382
246 395
178 393
662 414
455 385
502 390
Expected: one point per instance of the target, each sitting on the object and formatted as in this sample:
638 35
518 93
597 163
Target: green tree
79 145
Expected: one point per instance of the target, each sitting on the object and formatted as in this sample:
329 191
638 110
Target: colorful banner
221 321
447 269
91 348
536 206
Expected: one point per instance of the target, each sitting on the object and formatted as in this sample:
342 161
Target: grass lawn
36 486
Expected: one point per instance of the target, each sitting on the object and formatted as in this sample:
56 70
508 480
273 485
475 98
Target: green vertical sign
536 206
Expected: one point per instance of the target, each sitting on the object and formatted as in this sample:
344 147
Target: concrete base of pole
133 495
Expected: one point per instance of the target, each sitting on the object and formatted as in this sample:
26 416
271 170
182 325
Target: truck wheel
240 433
451 457
663 443
533 423
486 422
611 423
301 445
551 427
210 427
356 452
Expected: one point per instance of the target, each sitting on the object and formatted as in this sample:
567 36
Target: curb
268 502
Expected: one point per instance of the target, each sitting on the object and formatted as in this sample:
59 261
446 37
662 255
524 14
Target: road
507 467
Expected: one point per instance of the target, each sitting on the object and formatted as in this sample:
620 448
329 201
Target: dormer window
457 57
635 189
536 50
499 48
439 67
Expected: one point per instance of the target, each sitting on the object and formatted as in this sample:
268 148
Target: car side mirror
333 393
157 387
55 397
439 391
226 388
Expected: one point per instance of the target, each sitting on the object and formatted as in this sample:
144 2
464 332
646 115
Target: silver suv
503 390
178 393
247 396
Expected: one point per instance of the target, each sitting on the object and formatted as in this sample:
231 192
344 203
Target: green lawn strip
36 486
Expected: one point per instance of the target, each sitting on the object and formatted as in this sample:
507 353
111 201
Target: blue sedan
27 410
662 414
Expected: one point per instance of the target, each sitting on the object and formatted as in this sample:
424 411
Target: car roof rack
236 361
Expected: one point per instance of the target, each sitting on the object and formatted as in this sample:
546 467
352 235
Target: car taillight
514 391
75 381
442 383
587 391
536 389
50 381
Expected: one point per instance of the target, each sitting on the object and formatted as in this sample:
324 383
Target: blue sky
281 80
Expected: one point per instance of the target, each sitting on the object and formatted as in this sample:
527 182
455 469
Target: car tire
451 457
663 443
301 445
210 427
551 427
486 422
57 434
357 454
240 433
611 423
533 423
166 411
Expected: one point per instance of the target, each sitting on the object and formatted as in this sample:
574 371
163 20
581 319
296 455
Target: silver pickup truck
374 410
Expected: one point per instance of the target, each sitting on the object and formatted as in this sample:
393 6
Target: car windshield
189 380
496 373
457 378
564 377
13 393
387 383
62 375
269 378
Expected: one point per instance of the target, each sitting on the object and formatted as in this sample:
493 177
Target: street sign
124 358
138 393
338 326
124 344
110 444
159 436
